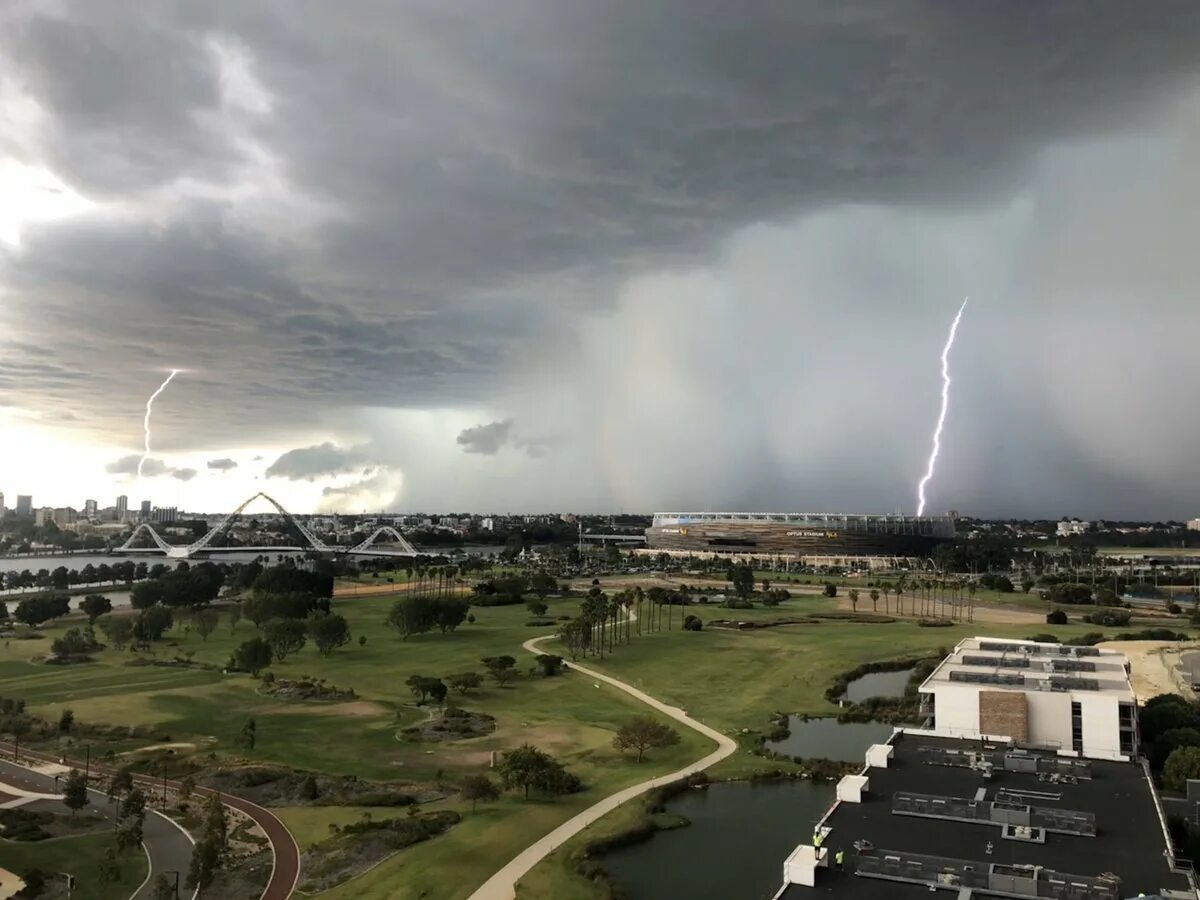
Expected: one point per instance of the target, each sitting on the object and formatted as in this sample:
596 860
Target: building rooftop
1000 664
1099 818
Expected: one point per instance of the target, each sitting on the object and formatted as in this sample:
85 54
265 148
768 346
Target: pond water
741 832
878 684
830 739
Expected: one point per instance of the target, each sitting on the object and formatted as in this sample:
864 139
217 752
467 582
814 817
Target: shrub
1182 765
1057 617
692 623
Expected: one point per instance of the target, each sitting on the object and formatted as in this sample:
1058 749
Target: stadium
828 539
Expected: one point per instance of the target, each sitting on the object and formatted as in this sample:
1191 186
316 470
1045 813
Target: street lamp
176 874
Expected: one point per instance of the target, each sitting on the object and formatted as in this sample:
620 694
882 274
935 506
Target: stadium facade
815 538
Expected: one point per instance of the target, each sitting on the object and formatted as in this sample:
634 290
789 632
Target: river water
741 832
878 684
78 561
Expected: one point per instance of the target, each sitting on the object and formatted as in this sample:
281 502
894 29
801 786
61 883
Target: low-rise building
1074 700
1072 526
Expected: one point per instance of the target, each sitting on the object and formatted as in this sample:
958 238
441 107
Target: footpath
503 885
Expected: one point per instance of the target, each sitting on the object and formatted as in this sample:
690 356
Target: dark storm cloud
222 465
460 183
486 439
151 468
312 462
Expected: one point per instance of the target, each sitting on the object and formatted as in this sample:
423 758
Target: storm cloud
222 465
486 439
313 462
710 253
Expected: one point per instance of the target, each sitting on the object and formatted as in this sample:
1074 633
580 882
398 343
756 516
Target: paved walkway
168 846
285 854
502 885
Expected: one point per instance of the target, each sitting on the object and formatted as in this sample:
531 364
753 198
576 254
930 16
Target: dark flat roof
1129 842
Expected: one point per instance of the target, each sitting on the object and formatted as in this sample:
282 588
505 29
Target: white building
1075 700
1073 526
1193 524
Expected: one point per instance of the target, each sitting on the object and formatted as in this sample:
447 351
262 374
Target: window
1076 726
1128 730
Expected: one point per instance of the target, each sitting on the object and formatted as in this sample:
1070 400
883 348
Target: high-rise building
145 510
122 508
1 503
24 505
165 514
1193 524
65 515
43 515
90 507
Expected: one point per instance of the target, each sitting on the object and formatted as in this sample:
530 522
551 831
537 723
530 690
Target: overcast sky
600 255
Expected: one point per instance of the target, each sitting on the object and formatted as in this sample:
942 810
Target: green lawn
734 680
80 856
568 716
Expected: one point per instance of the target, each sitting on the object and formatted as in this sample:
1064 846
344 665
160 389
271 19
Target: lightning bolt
937 432
146 421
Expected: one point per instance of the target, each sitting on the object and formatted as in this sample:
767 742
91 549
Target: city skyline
735 298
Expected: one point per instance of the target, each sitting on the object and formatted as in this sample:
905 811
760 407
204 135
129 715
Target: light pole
176 874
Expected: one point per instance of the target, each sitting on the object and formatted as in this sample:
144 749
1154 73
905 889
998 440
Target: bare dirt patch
1154 666
355 709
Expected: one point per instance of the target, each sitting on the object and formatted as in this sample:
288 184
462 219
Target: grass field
734 680
80 856
567 716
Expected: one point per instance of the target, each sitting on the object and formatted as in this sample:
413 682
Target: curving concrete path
503 885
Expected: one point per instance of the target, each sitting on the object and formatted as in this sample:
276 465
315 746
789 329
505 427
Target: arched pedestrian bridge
401 547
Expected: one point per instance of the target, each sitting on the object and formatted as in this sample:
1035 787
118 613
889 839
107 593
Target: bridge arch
313 541
405 546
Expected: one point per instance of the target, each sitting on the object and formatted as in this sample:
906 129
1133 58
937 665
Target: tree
742 578
478 787
1056 617
36 610
120 782
151 624
464 681
1164 713
549 664
94 606
528 767
1182 764
328 631
642 733
248 736
854 599
162 889
692 623
830 589
212 846
874 600
449 613
131 818
235 616
285 636
252 656
108 867
536 607
146 594
542 584
309 790
117 629
501 668
75 793
422 686
206 621
411 614
66 721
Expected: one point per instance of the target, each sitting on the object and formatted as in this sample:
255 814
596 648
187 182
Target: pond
830 739
878 684
741 832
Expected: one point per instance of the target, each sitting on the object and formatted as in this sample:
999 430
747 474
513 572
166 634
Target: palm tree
875 600
854 599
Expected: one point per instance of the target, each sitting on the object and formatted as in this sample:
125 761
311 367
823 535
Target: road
167 845
285 854
502 885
